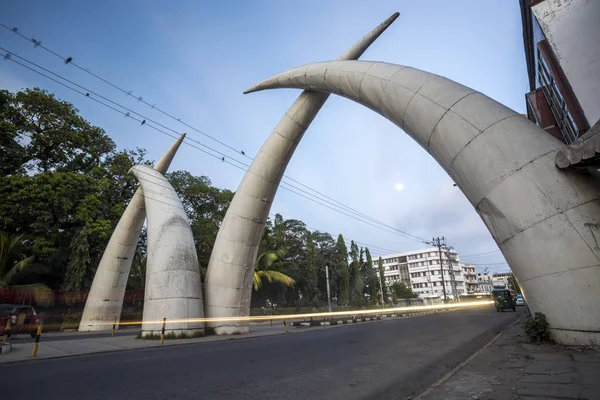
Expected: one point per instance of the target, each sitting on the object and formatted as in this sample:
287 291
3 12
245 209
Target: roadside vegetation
64 185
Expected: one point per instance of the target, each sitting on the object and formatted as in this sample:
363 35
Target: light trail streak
312 315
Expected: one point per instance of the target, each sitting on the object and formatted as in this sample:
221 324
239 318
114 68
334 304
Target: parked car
519 301
23 319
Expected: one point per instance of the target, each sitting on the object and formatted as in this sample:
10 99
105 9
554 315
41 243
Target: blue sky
193 59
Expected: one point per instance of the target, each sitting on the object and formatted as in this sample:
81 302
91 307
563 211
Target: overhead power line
145 121
69 60
480 254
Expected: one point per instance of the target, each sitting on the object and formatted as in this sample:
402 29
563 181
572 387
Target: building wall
420 269
470 277
572 29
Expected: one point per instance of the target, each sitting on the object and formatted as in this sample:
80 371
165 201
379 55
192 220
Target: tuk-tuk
23 319
503 300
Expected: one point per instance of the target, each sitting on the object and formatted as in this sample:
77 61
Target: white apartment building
470 276
486 284
422 270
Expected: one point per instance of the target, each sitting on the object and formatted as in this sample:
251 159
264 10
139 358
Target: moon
399 187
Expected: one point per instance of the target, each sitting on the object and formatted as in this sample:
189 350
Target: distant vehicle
519 300
503 300
23 319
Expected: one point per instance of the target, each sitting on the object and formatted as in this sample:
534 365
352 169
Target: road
388 359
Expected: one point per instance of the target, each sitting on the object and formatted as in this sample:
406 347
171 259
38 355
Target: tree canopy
64 185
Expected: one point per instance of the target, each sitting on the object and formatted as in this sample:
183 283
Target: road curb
460 366
359 319
5 348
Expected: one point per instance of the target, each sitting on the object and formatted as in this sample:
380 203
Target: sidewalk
79 343
512 368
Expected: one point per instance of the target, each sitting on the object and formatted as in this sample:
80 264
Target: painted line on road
462 364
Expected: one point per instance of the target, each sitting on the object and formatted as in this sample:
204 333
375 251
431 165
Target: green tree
266 269
205 206
342 272
65 186
355 279
400 290
43 134
311 289
373 282
279 228
325 245
384 288
14 266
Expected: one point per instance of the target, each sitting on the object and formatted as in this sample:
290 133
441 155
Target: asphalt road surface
388 359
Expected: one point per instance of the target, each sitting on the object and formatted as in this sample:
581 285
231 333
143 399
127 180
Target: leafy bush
537 328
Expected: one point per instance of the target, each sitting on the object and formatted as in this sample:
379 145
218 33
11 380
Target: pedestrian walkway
512 368
78 343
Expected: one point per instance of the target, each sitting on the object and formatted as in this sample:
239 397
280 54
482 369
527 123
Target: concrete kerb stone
5 348
361 319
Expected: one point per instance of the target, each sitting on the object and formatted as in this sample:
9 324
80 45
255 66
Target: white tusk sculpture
173 285
228 283
544 220
105 299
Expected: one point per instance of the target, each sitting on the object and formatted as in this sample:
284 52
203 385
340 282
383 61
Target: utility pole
328 293
439 243
452 277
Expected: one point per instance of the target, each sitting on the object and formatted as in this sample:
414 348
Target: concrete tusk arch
228 283
173 284
544 220
105 299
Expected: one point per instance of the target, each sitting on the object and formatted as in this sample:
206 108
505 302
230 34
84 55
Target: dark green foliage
373 279
342 271
399 290
537 328
64 186
311 288
384 288
205 205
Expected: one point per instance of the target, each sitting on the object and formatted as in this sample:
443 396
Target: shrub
537 328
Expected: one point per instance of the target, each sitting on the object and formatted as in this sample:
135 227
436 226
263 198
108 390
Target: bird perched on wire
68 60
143 122
222 159
243 152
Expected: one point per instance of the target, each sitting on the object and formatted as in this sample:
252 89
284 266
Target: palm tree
266 268
13 266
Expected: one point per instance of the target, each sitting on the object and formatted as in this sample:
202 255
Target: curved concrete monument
105 299
228 283
173 285
544 220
